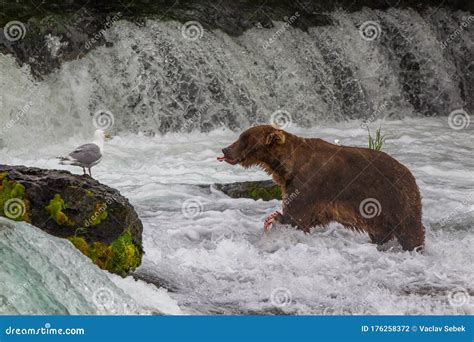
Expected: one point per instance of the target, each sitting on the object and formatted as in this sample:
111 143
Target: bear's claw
269 221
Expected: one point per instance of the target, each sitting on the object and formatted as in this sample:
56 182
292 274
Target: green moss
265 194
14 203
125 254
120 257
55 209
99 214
100 254
81 244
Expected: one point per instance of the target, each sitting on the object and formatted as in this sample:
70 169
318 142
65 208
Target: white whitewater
153 80
44 275
214 257
216 260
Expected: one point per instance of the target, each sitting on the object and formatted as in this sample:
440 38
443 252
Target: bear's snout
229 156
226 151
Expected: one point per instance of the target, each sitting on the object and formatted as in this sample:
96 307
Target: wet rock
264 190
99 221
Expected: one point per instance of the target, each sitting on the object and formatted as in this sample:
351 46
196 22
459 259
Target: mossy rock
99 221
120 257
14 203
264 190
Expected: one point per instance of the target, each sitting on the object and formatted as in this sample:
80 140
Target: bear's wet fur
362 189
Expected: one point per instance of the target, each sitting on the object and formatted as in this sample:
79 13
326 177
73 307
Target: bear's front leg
276 216
293 216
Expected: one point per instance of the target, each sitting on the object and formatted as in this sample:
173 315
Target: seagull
87 155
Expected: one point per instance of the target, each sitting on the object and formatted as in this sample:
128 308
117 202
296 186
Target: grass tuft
376 143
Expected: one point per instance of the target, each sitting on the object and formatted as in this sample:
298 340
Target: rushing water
217 260
154 80
208 249
44 275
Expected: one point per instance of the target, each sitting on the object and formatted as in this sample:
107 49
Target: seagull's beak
107 136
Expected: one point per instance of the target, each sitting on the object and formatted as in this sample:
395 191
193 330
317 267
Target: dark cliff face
78 24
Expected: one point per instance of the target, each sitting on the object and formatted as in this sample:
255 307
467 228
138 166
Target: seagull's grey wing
86 154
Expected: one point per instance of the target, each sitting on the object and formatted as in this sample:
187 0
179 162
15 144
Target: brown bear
362 189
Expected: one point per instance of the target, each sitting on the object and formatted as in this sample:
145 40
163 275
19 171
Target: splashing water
207 248
154 80
45 275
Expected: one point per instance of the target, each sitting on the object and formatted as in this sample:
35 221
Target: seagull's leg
84 170
90 173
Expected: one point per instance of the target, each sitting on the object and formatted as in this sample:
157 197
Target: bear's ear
275 137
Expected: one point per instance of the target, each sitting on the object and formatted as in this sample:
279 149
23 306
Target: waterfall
42 274
153 80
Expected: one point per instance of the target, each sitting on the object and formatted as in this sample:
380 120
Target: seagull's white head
100 136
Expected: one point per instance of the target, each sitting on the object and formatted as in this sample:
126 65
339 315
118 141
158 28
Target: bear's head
260 145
